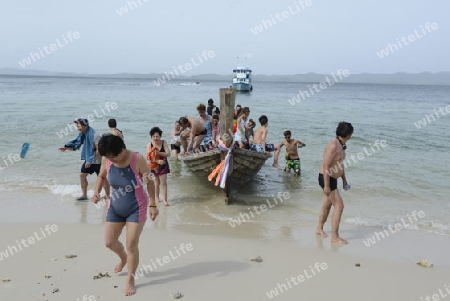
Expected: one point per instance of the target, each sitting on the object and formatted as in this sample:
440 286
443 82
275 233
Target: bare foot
166 203
121 264
276 165
339 240
129 288
321 233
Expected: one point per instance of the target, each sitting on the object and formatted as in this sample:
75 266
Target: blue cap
82 121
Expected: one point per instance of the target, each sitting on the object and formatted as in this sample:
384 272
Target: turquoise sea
388 183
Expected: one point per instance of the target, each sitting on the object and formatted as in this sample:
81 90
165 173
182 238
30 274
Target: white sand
217 268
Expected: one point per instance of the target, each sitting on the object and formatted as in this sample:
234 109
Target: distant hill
424 78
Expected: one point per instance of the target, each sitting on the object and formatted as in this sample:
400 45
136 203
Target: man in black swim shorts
195 135
332 169
87 140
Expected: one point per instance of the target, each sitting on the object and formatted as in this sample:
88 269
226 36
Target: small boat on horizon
190 84
242 79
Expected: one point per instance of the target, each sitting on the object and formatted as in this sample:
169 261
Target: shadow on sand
221 268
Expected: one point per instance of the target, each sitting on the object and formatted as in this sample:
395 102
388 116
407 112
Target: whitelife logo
71 127
391 48
266 24
183 249
281 287
381 235
187 66
11 250
430 118
48 50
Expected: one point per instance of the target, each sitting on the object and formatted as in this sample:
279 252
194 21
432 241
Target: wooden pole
227 101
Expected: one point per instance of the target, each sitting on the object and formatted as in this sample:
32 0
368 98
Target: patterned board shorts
293 164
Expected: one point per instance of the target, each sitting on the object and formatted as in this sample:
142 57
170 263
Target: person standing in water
331 170
292 157
87 140
126 172
112 124
175 144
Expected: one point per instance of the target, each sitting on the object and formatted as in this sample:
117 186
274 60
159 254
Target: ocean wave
428 226
63 190
219 217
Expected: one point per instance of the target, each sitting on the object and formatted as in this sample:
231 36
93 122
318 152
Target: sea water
409 173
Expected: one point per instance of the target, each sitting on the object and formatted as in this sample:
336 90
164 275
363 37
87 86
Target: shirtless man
292 158
331 170
259 139
196 133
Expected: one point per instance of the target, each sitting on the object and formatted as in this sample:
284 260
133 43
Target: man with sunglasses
330 171
292 158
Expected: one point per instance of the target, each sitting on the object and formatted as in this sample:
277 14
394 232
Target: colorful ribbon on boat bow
221 171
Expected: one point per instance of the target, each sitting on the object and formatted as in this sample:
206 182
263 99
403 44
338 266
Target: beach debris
48 276
425 263
54 259
116 286
101 275
55 290
71 256
5 280
176 295
357 264
42 294
257 259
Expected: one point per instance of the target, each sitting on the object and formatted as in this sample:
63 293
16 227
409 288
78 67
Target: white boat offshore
242 79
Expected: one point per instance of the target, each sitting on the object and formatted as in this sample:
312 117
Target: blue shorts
258 148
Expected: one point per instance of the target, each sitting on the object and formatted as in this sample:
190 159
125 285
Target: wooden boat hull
245 163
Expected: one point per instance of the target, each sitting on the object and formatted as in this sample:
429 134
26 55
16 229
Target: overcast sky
156 36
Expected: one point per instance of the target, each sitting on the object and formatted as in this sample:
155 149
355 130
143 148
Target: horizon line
200 74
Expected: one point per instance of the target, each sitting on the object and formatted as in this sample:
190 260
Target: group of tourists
122 172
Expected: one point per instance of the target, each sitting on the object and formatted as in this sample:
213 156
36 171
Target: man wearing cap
212 109
89 139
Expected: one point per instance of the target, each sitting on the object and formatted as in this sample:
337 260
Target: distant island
423 78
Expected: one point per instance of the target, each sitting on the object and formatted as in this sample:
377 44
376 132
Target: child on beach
292 158
175 144
236 115
250 133
241 132
215 129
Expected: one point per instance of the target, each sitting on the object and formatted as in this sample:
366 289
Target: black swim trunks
202 133
91 169
333 182
175 147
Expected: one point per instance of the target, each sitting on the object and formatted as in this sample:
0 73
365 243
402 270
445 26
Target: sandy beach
214 263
